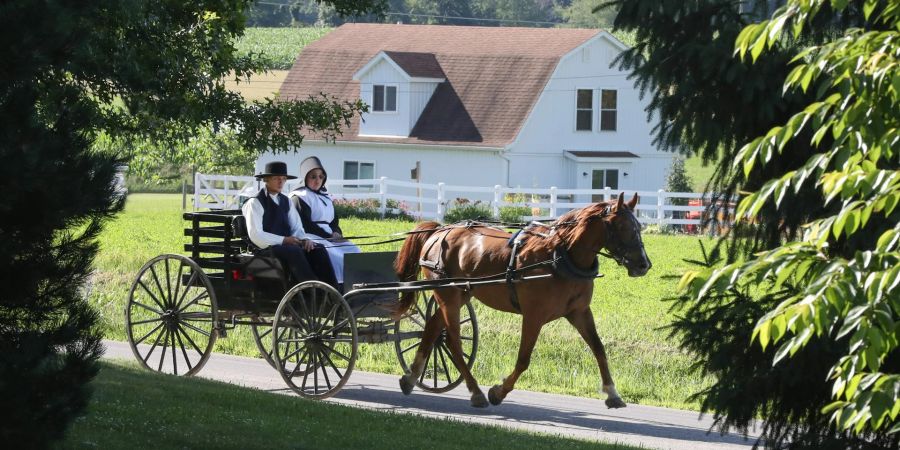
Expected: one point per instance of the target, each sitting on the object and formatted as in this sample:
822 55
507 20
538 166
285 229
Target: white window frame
577 110
601 110
358 163
396 98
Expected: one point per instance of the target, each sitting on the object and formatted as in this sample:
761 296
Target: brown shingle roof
494 75
417 64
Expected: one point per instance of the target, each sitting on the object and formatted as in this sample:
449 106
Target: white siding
445 165
420 94
385 123
550 128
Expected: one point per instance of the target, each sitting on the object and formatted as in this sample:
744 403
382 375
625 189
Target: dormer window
384 98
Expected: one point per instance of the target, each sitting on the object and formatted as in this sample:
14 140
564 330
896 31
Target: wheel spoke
183 351
296 369
190 341
162 357
174 350
289 355
148 334
195 328
141 322
434 352
188 285
338 327
155 343
441 351
324 369
168 281
155 300
306 373
178 281
410 347
204 294
337 353
159 286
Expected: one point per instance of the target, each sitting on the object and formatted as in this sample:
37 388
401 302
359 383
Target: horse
571 244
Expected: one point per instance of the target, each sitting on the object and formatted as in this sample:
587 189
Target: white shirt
253 213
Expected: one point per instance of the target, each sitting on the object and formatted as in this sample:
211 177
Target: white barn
480 106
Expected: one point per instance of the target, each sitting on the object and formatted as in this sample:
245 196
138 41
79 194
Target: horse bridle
617 248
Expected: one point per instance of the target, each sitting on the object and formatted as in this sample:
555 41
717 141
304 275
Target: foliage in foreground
73 71
843 274
137 408
710 102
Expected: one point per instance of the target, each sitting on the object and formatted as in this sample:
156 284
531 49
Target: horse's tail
407 263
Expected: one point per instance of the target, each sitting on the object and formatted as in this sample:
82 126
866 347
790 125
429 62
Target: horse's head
623 239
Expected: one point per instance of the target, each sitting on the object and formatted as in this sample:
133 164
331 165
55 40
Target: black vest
275 217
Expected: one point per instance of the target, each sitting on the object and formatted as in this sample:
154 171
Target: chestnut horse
479 250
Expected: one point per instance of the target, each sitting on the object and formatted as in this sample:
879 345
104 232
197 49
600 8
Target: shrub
369 208
462 209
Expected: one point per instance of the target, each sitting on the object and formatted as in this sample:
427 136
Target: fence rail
433 201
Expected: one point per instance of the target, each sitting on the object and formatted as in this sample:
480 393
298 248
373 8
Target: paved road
583 418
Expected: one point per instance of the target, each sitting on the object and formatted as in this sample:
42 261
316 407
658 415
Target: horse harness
561 262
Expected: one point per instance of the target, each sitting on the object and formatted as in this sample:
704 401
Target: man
273 223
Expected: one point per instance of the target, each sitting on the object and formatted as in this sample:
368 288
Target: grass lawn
647 366
135 408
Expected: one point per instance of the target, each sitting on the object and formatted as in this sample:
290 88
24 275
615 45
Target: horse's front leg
531 328
583 321
451 317
433 327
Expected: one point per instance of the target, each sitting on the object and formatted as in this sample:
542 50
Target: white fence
432 201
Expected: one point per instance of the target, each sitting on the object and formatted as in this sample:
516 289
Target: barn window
584 109
357 170
384 98
608 102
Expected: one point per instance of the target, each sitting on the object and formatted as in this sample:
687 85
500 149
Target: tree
710 102
584 14
845 268
74 70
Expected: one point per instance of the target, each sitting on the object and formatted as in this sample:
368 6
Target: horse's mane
572 226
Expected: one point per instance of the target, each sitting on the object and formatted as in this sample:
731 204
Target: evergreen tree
74 70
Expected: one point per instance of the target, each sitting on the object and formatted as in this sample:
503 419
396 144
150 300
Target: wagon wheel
440 374
171 316
314 340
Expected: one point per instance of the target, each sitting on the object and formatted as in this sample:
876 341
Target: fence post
660 201
225 198
183 195
495 206
552 202
382 192
440 202
196 190
607 194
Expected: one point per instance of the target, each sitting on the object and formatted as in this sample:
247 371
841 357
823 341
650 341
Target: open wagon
308 331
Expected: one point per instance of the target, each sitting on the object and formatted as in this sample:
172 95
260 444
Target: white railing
433 201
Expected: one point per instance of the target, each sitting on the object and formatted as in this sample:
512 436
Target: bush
369 208
462 209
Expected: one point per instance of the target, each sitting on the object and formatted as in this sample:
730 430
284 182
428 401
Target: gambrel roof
494 75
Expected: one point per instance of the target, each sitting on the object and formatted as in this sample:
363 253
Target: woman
317 214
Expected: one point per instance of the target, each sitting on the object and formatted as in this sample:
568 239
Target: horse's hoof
479 401
494 395
615 402
407 384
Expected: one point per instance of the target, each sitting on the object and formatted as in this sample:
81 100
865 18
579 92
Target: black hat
275 168
308 165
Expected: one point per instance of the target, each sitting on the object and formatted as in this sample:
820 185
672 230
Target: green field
134 408
648 367
279 46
